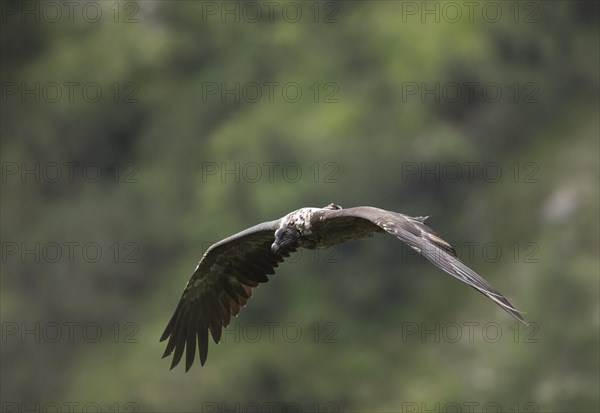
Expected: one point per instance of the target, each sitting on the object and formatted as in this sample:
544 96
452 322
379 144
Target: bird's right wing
220 285
416 234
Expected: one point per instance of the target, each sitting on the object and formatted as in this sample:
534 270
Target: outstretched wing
425 241
220 285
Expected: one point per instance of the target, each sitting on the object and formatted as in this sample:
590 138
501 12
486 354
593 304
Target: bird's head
286 240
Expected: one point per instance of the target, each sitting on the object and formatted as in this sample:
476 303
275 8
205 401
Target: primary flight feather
226 274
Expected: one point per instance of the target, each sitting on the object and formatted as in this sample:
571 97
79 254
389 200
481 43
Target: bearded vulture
226 274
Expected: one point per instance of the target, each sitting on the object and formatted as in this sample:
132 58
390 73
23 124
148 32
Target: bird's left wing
220 285
416 234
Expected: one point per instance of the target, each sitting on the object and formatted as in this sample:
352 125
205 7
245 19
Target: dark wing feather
220 285
425 241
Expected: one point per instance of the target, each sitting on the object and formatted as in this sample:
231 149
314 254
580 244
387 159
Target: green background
386 118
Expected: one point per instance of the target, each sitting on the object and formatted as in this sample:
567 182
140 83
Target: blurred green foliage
157 132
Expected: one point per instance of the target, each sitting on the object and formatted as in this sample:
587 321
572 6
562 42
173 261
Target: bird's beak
274 248
286 240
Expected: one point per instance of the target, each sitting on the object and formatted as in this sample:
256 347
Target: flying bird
226 274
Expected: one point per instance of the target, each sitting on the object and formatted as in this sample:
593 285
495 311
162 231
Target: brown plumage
226 274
